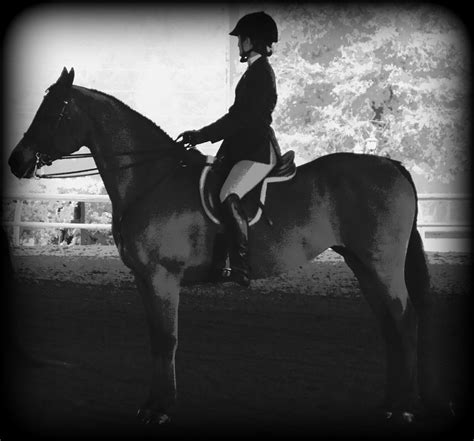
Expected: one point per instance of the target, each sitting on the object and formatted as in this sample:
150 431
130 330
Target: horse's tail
418 285
417 276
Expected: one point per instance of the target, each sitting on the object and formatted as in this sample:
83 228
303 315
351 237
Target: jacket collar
252 60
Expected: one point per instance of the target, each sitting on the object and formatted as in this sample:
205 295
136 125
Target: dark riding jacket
246 127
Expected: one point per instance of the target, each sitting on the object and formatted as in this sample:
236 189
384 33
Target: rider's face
244 45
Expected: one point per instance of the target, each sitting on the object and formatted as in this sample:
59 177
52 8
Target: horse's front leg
160 295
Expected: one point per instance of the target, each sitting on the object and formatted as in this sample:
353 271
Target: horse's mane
147 121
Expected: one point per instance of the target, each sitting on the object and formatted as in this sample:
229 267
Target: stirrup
226 272
218 275
230 275
239 276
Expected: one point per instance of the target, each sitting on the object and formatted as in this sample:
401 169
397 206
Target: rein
42 159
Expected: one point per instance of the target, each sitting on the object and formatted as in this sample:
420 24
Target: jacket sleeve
252 108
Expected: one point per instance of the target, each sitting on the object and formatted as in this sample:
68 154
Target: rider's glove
192 137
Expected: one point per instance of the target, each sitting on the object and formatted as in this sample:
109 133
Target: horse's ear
66 78
63 76
71 76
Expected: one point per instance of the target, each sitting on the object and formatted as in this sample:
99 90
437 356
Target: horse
364 207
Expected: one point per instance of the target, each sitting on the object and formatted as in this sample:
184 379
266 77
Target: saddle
253 203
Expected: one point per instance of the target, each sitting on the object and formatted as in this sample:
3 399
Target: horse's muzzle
22 161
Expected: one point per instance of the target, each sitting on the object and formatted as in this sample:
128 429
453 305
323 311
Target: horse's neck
117 130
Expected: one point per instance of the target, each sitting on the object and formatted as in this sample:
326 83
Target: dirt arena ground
299 354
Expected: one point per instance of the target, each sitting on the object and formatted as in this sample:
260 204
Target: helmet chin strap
246 55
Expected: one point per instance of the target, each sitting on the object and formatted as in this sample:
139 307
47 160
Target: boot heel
240 277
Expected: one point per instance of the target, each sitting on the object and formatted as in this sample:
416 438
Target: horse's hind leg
160 295
384 288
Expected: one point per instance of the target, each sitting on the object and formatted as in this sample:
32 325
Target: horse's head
53 132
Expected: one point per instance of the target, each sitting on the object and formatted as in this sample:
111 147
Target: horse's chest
173 241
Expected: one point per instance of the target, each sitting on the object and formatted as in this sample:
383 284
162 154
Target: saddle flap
210 185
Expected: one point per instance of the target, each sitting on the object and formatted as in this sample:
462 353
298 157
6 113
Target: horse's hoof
399 417
149 416
407 417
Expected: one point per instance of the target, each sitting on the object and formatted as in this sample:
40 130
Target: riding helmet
257 25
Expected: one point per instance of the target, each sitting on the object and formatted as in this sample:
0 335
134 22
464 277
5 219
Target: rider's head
257 32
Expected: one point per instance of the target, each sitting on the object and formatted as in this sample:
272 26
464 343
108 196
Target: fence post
17 220
80 217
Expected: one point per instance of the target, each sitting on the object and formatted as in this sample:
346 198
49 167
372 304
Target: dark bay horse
363 207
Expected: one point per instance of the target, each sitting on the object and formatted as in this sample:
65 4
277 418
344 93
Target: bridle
45 159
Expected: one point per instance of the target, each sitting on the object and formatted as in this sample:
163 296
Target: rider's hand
191 137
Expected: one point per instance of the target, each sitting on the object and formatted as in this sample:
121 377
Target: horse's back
359 176
355 164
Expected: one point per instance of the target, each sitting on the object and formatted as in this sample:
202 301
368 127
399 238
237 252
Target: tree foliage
406 66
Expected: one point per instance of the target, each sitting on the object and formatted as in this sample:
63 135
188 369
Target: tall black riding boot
236 224
219 258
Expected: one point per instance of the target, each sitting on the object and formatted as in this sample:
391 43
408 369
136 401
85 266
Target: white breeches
245 175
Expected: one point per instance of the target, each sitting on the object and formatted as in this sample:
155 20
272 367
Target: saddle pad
209 187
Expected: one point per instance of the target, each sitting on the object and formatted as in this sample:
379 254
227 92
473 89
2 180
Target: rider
250 148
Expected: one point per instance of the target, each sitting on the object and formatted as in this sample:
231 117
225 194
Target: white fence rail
446 197
432 242
17 223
